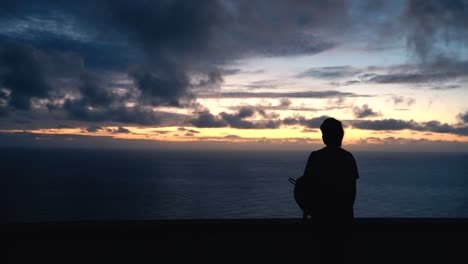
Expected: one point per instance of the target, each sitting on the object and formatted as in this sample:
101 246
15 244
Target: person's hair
332 132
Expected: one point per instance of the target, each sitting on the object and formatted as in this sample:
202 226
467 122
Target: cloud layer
93 64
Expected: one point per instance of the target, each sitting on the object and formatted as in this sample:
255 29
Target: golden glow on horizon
290 134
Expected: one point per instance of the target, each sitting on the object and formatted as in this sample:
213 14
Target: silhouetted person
331 175
330 186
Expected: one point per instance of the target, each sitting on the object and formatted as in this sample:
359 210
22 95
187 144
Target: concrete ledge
237 241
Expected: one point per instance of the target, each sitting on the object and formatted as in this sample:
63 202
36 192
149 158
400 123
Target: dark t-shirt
331 175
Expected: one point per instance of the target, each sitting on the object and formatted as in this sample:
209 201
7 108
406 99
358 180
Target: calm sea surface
60 185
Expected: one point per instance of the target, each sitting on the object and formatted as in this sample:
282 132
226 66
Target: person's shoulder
346 153
316 155
318 152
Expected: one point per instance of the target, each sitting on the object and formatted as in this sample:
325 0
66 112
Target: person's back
331 174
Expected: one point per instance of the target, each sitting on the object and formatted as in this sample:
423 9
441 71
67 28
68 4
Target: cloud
205 119
463 117
434 72
162 87
264 84
314 123
335 72
122 130
397 124
210 80
317 94
66 54
78 110
24 73
417 77
93 92
62 126
284 102
232 136
446 87
235 120
119 130
384 124
398 100
162 132
364 111
93 129
193 131
433 22
231 71
308 130
245 112
431 72
159 45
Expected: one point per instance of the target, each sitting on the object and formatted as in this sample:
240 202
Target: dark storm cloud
99 55
62 126
435 31
396 124
159 44
23 71
3 111
211 79
93 91
364 111
432 22
161 87
77 110
181 37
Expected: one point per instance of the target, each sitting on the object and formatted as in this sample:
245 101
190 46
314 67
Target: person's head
332 132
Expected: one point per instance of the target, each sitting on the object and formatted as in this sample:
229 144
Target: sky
234 74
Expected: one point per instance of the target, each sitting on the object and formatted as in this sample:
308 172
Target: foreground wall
237 241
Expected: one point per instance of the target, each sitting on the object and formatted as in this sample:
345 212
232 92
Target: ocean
46 185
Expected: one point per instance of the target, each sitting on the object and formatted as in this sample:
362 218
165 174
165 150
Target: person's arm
353 192
355 176
308 168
